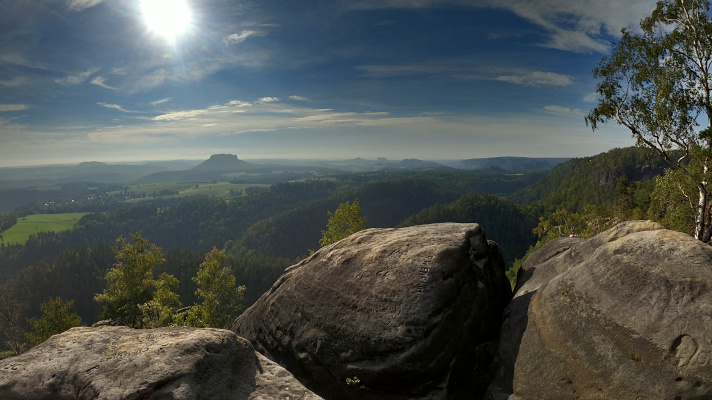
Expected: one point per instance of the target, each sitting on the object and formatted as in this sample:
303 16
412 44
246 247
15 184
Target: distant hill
92 171
508 164
223 163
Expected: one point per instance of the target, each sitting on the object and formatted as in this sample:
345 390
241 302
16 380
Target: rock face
168 363
413 313
624 315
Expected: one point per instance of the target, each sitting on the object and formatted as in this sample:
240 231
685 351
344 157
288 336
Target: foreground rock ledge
624 315
169 363
413 313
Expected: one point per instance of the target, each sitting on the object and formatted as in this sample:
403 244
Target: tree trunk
701 207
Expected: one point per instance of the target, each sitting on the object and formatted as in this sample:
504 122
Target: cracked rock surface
413 313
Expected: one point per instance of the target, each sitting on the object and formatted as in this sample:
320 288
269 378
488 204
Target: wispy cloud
467 70
180 115
455 69
115 107
13 107
241 37
14 82
563 110
21 60
100 81
537 78
298 98
76 79
590 97
238 116
161 101
79 5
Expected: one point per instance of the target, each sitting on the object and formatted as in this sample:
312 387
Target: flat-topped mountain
222 162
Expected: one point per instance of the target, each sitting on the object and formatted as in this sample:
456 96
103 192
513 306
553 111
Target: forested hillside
591 180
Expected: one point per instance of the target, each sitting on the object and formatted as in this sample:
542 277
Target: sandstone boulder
168 363
412 313
624 315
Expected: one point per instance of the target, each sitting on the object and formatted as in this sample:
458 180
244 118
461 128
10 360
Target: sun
168 19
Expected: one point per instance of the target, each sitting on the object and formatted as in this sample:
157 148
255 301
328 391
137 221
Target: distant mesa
222 162
92 164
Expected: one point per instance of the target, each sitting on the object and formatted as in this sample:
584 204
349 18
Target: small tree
346 220
221 299
57 317
132 296
657 83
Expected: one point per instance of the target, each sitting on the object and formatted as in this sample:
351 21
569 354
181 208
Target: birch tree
657 84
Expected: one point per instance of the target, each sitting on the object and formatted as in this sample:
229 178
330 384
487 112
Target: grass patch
26 226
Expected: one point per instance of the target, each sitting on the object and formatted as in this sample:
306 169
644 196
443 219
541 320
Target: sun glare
166 18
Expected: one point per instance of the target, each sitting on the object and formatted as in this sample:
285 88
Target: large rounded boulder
411 313
624 315
119 363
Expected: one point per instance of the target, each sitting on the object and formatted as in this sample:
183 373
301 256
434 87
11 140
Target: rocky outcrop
624 315
412 313
168 363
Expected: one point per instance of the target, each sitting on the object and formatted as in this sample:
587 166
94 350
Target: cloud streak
238 116
79 5
100 81
115 107
14 82
76 79
13 107
537 78
241 37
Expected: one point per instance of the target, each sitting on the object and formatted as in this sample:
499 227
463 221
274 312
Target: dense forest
265 229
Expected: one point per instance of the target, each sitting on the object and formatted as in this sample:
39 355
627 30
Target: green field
20 232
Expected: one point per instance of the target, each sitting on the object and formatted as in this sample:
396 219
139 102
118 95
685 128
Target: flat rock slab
624 315
413 313
169 363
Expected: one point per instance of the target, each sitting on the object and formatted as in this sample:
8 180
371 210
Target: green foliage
674 201
57 317
513 272
161 309
132 295
7 220
354 382
564 223
221 299
657 83
633 198
345 221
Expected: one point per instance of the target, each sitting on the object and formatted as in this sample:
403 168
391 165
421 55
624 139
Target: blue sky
93 80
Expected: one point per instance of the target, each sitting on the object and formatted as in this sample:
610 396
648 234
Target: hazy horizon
199 160
138 80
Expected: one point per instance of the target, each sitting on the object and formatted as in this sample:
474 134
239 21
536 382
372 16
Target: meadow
26 226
